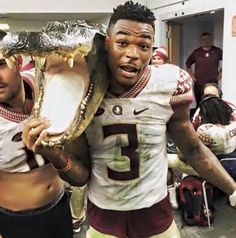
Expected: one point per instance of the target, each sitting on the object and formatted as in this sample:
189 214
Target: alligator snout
70 73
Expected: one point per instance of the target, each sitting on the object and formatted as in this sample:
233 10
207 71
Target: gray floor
224 225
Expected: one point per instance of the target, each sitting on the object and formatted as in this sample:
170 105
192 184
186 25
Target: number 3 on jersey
129 151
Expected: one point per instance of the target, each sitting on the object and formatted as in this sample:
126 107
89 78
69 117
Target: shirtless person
32 201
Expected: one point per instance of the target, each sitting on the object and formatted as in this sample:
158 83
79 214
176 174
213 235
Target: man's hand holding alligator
34 132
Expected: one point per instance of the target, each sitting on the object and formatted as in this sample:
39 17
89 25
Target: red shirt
206 64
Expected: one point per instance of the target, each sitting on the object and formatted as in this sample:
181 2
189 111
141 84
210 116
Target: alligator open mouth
70 72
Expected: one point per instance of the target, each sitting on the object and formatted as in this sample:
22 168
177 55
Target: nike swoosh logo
138 112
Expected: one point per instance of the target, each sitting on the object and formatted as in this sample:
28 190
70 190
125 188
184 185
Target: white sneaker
172 196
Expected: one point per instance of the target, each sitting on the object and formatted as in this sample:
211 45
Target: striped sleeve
183 94
28 76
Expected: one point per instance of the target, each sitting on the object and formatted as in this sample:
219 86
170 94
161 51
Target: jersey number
129 151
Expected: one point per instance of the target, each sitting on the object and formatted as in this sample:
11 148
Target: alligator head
70 73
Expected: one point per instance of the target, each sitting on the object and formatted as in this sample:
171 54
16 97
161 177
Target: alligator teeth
82 112
10 63
70 62
82 106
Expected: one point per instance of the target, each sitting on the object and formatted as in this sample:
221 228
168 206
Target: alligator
70 72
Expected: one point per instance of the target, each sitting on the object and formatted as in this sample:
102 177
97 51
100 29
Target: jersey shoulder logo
137 112
17 137
99 112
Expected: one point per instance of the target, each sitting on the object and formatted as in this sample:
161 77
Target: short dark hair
215 110
132 11
205 34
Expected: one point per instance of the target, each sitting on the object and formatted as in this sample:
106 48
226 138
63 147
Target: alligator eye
2 34
99 112
17 137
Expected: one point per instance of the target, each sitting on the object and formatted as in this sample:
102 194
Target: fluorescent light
4 26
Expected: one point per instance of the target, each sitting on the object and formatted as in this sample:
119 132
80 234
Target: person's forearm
78 175
71 169
211 169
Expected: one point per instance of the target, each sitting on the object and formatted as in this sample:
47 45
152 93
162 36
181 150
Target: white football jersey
14 156
128 143
221 139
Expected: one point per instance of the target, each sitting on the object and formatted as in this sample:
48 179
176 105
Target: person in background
32 202
212 89
217 124
216 128
206 59
160 56
127 189
208 89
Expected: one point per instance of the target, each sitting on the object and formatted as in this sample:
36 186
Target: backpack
196 201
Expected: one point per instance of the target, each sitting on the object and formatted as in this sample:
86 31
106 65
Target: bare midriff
29 190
